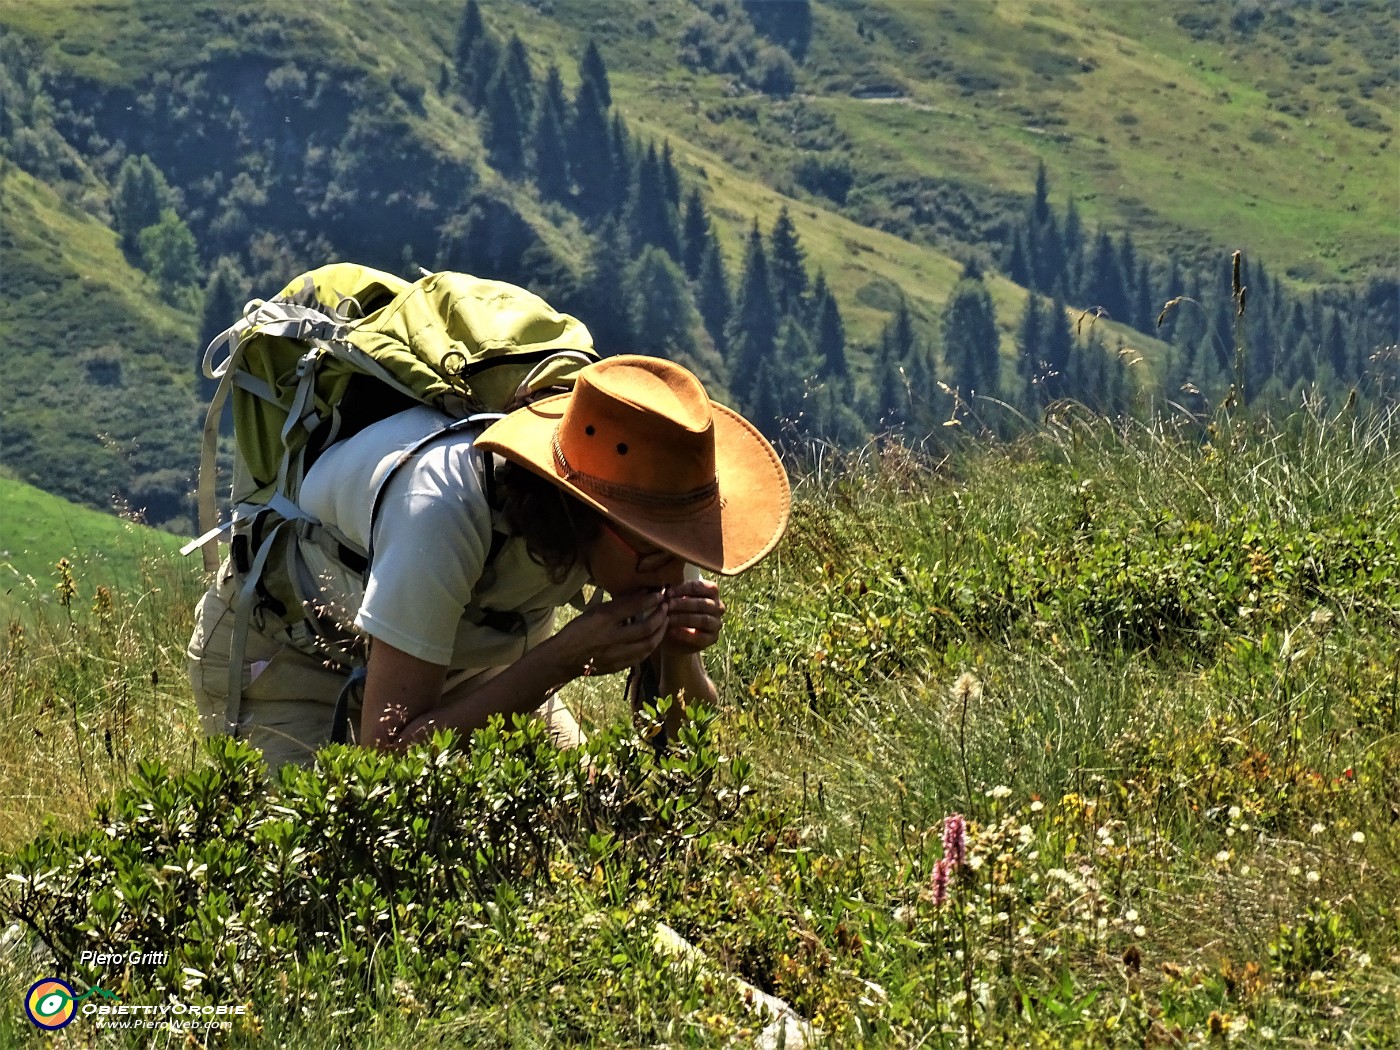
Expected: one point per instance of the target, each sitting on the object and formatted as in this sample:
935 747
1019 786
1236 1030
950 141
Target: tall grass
92 682
1153 664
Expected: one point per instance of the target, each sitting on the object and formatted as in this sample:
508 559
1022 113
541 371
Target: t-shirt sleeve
431 536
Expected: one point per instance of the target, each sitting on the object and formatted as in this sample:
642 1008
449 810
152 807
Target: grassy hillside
1264 128
38 529
1155 674
1204 142
97 376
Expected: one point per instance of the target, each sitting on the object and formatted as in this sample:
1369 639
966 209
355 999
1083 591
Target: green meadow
1152 667
37 530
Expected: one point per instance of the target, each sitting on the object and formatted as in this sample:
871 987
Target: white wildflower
1314 877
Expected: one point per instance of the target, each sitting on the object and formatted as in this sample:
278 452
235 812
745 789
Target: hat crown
639 423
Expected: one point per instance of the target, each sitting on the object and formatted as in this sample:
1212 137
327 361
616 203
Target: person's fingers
694 607
693 589
631 604
694 621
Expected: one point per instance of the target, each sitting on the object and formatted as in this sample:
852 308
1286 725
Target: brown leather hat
640 441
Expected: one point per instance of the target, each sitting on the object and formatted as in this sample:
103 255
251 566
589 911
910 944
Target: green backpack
339 348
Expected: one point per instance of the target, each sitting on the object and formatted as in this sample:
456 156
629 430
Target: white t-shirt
432 534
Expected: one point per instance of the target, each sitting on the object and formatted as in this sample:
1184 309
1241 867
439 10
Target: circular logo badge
49 1003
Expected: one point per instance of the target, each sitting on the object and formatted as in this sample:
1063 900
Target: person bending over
632 482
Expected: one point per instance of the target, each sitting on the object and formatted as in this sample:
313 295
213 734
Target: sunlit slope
104 366
1271 138
37 529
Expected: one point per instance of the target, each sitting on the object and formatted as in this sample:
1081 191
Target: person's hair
556 527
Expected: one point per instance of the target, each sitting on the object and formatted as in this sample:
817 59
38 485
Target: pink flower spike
955 839
940 882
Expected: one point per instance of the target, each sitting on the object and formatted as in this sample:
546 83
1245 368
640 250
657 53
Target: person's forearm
681 676
519 689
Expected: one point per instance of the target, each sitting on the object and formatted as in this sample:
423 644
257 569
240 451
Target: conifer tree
695 234
1018 266
224 296
624 155
897 339
764 406
470 29
1128 266
1071 287
797 358
713 297
670 178
477 71
1173 287
1103 283
1334 346
606 292
649 216
515 65
970 341
1048 261
1072 234
753 330
591 70
1030 337
662 313
792 367
139 197
549 152
831 334
890 406
1262 353
1145 299
1083 379
1056 349
593 163
788 265
504 131
927 405
1040 201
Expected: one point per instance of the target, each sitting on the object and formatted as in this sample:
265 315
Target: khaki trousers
288 698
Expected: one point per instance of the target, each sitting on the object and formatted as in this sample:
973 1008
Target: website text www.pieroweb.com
53 1003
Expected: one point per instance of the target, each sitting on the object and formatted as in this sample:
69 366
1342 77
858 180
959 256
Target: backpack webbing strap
340 719
286 511
242 615
259 318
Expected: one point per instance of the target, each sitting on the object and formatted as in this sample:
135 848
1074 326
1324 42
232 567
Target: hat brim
728 535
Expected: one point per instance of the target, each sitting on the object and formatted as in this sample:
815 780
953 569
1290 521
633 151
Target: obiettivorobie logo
52 1004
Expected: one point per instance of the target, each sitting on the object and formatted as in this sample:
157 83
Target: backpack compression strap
288 512
259 318
325 335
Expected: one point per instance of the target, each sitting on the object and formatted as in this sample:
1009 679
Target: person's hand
694 615
615 635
